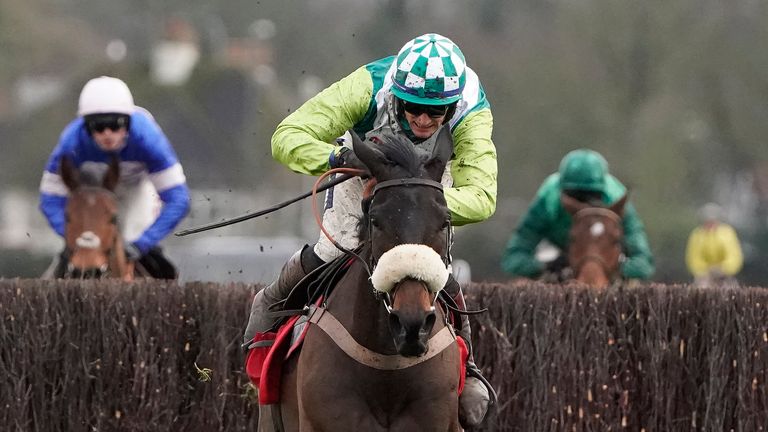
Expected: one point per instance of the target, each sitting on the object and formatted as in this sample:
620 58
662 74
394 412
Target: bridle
592 257
82 243
409 182
386 298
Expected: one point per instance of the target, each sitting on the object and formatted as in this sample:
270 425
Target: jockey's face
424 120
108 130
109 140
423 125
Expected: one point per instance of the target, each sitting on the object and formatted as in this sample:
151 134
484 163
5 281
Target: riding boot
298 266
478 394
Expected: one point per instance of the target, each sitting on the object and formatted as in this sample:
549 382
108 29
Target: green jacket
546 219
304 140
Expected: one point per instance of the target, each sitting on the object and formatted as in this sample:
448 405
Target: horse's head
595 244
408 226
91 232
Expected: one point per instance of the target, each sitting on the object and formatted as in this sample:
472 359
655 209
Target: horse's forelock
404 155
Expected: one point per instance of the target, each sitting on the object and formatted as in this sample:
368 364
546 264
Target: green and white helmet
430 70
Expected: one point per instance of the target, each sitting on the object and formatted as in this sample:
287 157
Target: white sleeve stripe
168 178
52 184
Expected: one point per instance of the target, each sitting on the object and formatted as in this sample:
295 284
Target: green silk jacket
547 219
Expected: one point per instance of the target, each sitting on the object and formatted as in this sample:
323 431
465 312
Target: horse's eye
113 220
374 222
66 217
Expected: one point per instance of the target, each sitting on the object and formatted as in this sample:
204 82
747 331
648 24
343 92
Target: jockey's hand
345 157
132 252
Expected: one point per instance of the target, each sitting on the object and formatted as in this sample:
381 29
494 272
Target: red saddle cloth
264 364
463 354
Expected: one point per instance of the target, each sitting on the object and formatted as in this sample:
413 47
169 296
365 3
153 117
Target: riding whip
330 184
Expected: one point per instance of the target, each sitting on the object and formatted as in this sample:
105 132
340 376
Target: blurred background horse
94 246
595 241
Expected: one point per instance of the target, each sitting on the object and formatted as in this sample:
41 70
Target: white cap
105 95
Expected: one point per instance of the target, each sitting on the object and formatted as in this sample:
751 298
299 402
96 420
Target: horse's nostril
429 323
395 326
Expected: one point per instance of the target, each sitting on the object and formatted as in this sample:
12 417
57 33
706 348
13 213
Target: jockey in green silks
583 174
426 86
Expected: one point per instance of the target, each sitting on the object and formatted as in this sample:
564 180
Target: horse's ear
367 153
618 206
112 175
69 173
441 153
570 204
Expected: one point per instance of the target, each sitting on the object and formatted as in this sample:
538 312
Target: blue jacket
147 151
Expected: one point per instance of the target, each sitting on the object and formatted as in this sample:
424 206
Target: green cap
583 170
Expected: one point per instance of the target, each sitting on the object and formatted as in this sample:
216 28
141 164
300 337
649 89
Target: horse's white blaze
88 240
416 261
597 229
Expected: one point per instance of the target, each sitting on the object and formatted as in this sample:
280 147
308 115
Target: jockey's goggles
100 122
433 111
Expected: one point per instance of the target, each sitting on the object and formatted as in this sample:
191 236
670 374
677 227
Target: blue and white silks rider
149 169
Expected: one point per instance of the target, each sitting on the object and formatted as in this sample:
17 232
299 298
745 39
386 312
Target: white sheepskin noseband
416 261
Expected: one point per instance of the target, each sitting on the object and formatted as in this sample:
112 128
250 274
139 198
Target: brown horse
93 240
379 356
595 244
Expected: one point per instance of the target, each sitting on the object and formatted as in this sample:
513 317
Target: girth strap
333 328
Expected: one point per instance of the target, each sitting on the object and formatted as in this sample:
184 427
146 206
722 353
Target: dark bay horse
595 244
93 240
379 355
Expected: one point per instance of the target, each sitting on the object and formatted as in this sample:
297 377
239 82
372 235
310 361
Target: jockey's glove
558 264
345 157
132 252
